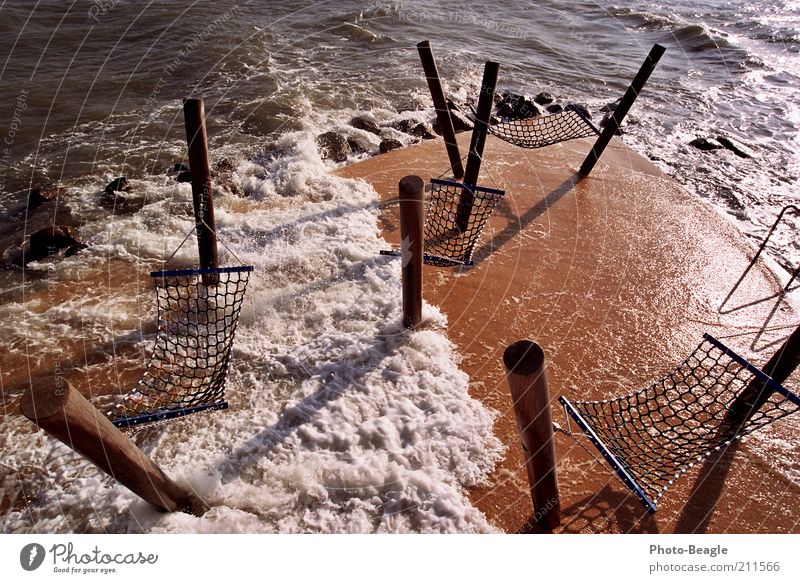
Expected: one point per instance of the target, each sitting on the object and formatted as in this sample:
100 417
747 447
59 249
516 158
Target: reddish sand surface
616 276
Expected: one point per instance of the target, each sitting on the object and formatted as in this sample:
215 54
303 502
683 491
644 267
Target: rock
544 98
555 108
737 148
607 118
118 185
73 249
422 130
528 109
184 176
178 167
460 121
582 109
362 123
404 125
415 128
610 106
50 240
506 110
224 165
512 99
705 144
41 195
333 146
355 147
513 106
389 145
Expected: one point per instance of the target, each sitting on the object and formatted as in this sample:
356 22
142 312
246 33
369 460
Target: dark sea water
92 89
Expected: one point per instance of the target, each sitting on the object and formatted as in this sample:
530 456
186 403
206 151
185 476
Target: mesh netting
197 315
653 436
455 219
545 130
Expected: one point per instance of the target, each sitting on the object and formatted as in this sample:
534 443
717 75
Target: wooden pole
478 141
525 369
622 109
782 364
55 406
412 194
194 119
440 104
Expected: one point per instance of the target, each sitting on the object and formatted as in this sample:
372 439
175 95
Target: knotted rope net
198 311
545 130
455 217
654 435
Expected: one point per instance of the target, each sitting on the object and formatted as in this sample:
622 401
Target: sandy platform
617 276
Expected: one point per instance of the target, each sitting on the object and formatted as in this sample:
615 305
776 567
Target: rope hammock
198 310
544 130
454 221
653 436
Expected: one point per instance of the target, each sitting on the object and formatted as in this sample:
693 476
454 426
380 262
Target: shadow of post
517 226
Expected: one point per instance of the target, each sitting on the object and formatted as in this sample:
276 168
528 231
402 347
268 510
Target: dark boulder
610 106
404 125
506 110
737 148
333 146
117 185
184 176
224 165
460 121
555 108
422 130
415 128
355 146
362 123
582 109
528 109
177 168
544 98
43 194
389 145
73 249
51 240
705 144
512 99
606 120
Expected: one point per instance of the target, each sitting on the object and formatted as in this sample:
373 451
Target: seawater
91 90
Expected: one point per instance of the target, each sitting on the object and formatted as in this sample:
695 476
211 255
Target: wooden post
527 379
440 104
622 109
782 364
55 406
412 194
479 131
194 119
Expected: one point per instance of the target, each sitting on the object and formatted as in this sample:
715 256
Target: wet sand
617 276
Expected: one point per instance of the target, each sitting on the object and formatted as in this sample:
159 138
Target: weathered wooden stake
440 104
479 131
412 194
194 119
527 379
622 109
782 364
55 406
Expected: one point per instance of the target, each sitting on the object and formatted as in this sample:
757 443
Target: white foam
341 421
